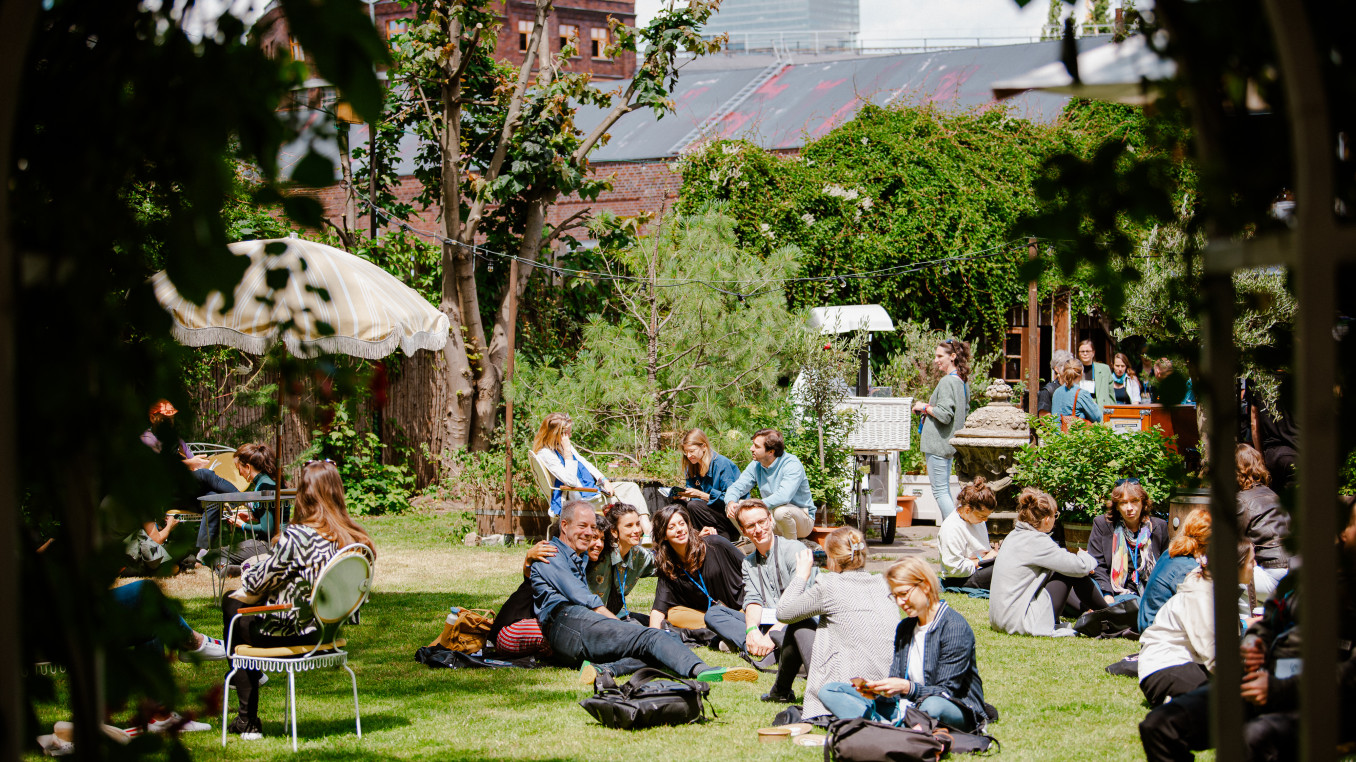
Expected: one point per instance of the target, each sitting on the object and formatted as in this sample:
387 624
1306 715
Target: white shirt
1183 631
567 472
960 541
916 648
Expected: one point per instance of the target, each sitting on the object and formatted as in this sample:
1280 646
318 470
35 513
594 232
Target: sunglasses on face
1131 480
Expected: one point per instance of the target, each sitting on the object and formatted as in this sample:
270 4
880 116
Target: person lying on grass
768 572
934 666
1033 578
581 630
856 616
963 539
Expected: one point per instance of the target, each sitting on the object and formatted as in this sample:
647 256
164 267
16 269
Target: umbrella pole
277 452
508 402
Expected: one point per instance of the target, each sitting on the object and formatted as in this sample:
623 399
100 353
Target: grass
1055 698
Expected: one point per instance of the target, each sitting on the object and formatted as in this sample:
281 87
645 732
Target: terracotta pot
904 514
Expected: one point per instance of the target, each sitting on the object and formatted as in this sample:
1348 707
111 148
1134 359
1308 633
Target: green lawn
1055 699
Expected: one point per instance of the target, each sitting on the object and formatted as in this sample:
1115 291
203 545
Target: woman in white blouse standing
568 468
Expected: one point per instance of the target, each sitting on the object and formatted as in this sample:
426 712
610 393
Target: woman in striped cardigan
934 665
856 617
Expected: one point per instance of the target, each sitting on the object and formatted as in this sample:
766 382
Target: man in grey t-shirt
768 570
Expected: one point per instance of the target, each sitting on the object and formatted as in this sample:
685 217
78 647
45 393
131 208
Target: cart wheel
887 530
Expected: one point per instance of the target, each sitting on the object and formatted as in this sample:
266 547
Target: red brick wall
586 15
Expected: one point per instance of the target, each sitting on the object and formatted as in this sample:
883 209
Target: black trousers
1079 593
246 632
704 515
981 579
1173 682
795 644
1180 727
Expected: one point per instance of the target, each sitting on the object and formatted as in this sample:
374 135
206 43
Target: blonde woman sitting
568 468
934 666
857 616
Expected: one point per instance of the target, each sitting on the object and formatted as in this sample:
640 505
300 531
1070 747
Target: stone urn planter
992 435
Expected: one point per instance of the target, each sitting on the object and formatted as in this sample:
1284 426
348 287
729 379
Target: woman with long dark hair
320 528
943 415
702 574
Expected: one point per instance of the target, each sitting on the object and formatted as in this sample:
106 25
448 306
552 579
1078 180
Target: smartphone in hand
860 684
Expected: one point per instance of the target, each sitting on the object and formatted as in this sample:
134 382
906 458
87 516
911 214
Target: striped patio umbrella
333 302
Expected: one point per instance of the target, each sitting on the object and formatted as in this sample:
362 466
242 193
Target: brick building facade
587 20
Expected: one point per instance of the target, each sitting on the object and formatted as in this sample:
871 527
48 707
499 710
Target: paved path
918 540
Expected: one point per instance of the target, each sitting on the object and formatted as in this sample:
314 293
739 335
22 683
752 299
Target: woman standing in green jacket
943 415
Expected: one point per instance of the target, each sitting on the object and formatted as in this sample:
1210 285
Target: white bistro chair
341 589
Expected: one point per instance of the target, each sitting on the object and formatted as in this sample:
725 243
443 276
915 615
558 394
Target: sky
887 20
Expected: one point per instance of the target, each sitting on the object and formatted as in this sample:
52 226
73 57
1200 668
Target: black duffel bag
860 740
650 698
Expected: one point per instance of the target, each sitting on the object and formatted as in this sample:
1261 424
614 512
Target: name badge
769 615
1287 668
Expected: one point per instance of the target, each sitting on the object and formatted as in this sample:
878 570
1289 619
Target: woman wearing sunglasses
943 415
1126 542
934 666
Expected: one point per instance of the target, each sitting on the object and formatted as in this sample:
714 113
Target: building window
524 34
598 43
294 47
569 33
396 26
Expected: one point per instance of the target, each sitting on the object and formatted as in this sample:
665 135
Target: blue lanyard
700 582
621 575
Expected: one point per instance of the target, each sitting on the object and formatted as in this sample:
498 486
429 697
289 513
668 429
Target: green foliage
676 354
1079 467
371 488
895 186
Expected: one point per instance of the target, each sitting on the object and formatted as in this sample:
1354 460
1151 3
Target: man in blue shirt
579 626
781 481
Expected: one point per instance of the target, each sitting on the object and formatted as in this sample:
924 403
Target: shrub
1080 467
371 487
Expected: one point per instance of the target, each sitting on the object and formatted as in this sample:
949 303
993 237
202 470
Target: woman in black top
1126 542
705 574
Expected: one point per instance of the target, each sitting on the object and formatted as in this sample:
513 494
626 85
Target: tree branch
569 223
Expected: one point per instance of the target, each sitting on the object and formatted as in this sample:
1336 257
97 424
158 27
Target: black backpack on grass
650 698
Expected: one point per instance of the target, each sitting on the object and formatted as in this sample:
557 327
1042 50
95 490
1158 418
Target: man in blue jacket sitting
579 626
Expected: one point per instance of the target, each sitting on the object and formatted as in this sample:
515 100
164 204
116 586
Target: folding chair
340 590
548 490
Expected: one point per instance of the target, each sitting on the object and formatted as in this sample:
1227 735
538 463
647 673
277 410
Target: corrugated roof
809 99
801 103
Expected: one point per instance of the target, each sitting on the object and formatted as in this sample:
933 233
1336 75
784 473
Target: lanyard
700 582
621 573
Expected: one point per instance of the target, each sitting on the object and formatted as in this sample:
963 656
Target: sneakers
728 675
210 650
248 728
587 674
177 723
777 697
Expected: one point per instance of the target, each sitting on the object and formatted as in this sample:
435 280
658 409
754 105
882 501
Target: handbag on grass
466 630
649 699
919 739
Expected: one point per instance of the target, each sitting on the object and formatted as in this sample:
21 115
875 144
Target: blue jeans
728 624
158 618
939 476
577 634
845 702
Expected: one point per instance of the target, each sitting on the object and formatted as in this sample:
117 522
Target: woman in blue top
708 475
256 462
567 468
1072 397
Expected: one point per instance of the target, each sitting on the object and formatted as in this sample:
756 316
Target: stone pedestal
991 436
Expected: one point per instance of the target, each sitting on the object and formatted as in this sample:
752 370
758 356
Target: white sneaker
174 720
210 650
